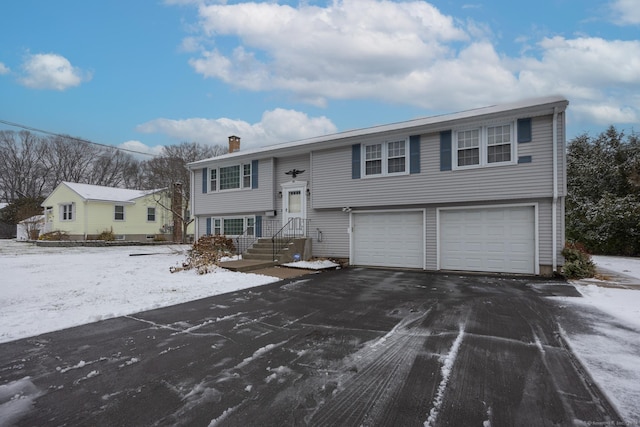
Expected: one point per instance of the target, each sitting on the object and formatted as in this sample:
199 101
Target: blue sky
146 73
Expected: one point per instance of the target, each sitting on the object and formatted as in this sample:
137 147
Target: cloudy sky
146 73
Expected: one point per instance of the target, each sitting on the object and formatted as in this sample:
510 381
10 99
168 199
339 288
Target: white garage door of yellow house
489 239
388 239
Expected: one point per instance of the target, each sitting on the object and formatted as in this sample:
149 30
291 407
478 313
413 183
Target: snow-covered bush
577 262
206 254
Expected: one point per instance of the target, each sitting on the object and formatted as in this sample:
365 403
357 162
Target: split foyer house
481 190
84 211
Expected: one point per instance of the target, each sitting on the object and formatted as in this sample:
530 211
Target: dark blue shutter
258 226
208 226
204 180
445 150
524 130
414 154
525 159
254 174
355 161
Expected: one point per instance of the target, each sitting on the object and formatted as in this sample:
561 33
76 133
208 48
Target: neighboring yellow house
84 211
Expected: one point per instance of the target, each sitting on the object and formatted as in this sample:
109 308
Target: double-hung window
234 226
66 212
484 146
230 177
118 213
386 158
151 214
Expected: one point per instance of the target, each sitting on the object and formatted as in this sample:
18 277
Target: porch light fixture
308 193
280 194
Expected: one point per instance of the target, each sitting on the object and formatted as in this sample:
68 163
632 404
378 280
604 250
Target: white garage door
489 239
388 239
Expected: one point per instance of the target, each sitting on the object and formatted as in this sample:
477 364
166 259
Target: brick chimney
234 144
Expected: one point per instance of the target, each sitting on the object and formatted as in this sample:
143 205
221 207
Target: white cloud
51 71
276 126
408 53
140 147
4 69
343 50
626 12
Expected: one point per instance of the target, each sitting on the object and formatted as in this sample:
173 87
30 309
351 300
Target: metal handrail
247 240
294 228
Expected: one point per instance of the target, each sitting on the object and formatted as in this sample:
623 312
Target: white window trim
73 212
484 150
222 218
155 214
240 188
385 158
124 217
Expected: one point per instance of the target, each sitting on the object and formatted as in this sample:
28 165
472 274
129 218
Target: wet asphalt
352 347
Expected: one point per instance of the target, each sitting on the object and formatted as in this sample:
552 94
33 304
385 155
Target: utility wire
25 127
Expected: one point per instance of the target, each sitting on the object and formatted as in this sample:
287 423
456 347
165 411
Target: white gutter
554 205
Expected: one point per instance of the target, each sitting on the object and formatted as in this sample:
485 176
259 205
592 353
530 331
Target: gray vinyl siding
333 186
334 225
431 240
259 199
284 164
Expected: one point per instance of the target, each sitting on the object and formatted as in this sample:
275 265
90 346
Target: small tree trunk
176 206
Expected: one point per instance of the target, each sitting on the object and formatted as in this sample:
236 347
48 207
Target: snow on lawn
609 346
47 289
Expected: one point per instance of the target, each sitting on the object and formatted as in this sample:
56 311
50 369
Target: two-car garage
485 239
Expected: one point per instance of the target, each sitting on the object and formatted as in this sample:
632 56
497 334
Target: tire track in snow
380 370
446 373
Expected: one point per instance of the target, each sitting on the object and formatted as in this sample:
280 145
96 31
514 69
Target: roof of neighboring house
107 194
35 218
3 205
542 103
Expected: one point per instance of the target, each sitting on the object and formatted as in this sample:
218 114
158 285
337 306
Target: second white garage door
489 239
388 239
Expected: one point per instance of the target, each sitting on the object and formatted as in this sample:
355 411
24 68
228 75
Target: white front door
294 207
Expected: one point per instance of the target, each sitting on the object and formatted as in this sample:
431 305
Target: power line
25 127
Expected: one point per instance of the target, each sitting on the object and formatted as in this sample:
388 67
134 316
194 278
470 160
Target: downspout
554 205
192 203
86 219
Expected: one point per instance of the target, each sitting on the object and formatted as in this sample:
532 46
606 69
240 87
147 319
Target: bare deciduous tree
169 169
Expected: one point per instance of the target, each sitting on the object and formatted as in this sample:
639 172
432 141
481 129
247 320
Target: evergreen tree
603 203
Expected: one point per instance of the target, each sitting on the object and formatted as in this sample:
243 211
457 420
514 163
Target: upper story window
151 214
230 177
66 212
483 146
386 158
119 213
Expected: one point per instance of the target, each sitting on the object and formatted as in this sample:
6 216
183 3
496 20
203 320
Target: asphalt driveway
349 347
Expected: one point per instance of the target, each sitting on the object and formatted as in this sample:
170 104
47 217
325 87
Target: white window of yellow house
66 212
151 214
119 213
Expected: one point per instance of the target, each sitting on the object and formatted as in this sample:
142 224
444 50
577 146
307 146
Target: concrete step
258 256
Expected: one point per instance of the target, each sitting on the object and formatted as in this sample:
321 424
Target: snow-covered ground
609 345
47 289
